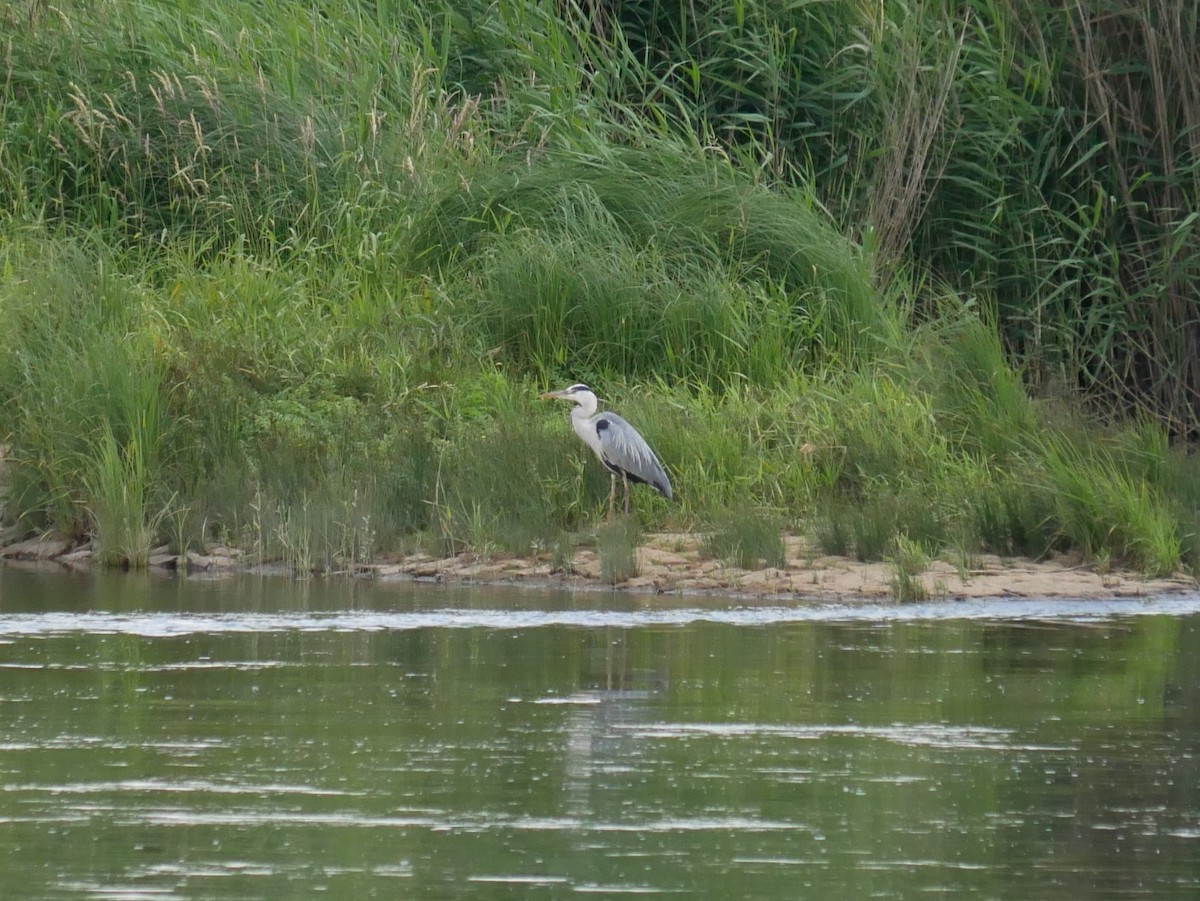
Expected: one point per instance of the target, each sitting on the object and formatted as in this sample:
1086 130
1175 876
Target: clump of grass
593 301
597 234
151 140
747 538
1180 477
1109 512
975 393
908 560
617 543
562 554
117 487
289 535
327 527
510 472
888 428
963 555
832 531
873 527
865 527
1014 516
83 396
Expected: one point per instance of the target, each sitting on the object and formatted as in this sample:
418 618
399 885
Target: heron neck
585 408
581 422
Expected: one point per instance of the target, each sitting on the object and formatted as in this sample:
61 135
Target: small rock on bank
45 547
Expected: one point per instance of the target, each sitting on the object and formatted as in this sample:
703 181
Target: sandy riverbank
674 563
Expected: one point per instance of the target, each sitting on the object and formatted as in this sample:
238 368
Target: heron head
576 394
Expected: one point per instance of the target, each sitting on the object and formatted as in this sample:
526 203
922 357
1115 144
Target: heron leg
625 479
612 493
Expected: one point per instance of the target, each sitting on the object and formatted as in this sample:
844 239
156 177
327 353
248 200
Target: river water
264 738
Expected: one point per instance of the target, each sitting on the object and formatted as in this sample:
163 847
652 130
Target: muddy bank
675 564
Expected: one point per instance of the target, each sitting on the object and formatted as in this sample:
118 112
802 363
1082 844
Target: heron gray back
626 453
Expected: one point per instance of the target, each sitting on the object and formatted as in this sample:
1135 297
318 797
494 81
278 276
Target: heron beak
552 395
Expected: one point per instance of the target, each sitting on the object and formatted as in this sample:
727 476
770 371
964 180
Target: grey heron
620 448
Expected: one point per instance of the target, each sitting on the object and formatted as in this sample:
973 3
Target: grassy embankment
293 278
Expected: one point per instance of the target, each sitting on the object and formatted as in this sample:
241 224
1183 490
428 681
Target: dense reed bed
290 276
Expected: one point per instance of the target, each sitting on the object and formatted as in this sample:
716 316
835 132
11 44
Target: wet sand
676 564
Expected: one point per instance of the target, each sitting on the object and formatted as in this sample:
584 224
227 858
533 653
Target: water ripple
168 625
179 786
444 821
927 735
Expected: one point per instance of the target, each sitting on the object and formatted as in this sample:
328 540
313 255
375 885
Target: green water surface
264 738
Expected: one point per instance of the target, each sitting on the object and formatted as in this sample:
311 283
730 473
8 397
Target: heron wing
626 453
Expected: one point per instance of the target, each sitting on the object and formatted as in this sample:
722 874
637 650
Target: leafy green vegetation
748 539
616 545
291 277
908 561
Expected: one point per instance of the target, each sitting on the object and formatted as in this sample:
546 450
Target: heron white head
575 392
579 394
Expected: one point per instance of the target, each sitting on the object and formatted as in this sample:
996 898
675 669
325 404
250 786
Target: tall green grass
291 276
84 395
747 538
242 409
116 484
1109 509
1043 153
617 263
